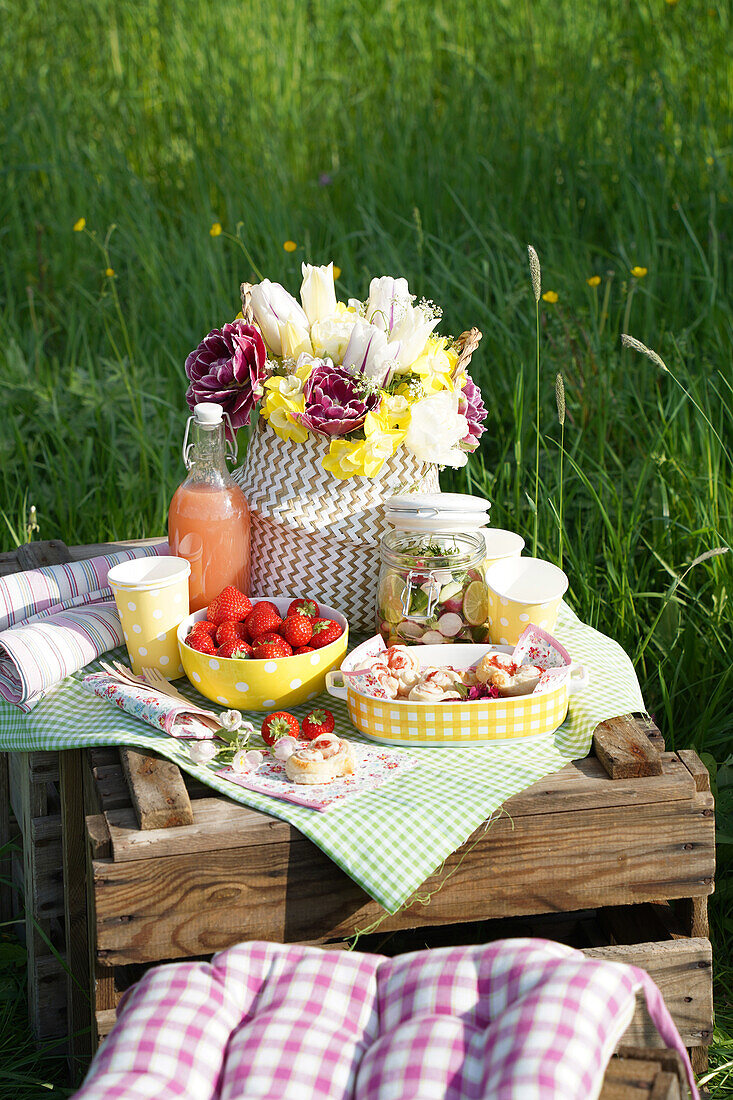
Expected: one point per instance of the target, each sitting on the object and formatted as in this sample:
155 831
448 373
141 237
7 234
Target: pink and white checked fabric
513 1020
55 620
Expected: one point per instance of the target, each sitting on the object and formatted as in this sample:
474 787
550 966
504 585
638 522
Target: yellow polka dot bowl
262 685
522 591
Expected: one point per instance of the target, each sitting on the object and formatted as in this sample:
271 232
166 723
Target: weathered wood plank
624 749
111 786
96 549
6 857
696 768
218 822
75 906
158 792
641 1074
683 971
290 891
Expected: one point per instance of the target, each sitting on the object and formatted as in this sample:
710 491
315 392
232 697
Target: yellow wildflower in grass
336 272
289 246
436 365
79 225
215 230
638 272
595 280
109 272
550 296
710 161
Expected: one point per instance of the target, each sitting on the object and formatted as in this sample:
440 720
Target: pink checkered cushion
513 1020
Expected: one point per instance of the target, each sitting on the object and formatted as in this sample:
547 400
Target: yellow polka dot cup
152 599
246 684
522 591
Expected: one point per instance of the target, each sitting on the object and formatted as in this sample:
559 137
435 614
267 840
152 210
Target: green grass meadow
433 139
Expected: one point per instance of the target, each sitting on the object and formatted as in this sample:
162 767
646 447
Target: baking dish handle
579 679
334 688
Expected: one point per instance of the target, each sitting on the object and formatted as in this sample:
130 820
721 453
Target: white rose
331 337
436 430
389 298
317 292
273 308
368 352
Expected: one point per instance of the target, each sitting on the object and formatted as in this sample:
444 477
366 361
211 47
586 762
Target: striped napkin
55 620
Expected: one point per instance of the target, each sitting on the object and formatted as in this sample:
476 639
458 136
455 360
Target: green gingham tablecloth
391 839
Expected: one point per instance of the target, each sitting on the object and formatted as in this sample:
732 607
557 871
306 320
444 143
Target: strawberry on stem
317 722
325 631
235 649
278 725
230 605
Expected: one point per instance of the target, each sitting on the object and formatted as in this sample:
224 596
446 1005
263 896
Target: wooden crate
619 850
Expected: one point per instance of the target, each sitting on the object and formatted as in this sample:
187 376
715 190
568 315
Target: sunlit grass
431 140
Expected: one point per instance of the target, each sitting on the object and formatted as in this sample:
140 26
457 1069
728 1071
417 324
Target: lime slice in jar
476 603
391 588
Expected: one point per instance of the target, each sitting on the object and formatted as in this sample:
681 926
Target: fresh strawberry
272 650
236 648
304 606
325 631
262 619
203 626
270 636
230 605
318 722
201 642
230 632
297 629
304 649
277 725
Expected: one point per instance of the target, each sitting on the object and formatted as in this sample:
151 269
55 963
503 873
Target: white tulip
436 430
368 352
410 335
294 340
331 337
273 307
389 298
317 292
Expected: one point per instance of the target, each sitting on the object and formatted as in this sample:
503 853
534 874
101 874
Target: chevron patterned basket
316 535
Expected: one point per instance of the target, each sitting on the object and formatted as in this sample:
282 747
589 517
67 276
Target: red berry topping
297 629
230 632
230 605
277 725
272 650
325 631
203 626
237 648
304 649
262 619
201 642
318 722
304 606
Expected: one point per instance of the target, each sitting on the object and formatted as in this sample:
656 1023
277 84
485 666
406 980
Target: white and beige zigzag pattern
286 482
334 571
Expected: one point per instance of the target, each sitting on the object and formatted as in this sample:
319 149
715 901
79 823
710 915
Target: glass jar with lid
432 588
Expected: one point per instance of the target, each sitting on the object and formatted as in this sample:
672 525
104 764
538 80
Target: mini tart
325 759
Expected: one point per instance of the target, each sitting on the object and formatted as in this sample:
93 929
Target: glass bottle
208 518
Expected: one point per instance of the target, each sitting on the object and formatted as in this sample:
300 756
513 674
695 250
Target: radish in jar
432 637
450 624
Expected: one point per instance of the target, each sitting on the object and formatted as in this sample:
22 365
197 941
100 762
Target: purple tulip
335 402
228 367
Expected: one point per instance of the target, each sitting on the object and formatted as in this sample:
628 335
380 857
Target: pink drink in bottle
208 518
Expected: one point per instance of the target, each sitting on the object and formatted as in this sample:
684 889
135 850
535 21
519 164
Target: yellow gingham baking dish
402 722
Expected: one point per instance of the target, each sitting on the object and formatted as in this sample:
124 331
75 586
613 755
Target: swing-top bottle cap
208 414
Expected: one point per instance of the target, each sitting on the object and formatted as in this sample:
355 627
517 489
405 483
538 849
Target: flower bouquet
357 401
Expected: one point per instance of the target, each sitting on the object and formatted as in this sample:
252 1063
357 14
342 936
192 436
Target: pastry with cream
323 760
499 671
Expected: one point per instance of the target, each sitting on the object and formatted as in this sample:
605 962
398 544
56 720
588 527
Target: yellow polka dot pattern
150 618
509 618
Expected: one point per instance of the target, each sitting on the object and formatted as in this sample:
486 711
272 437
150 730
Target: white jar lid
427 505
